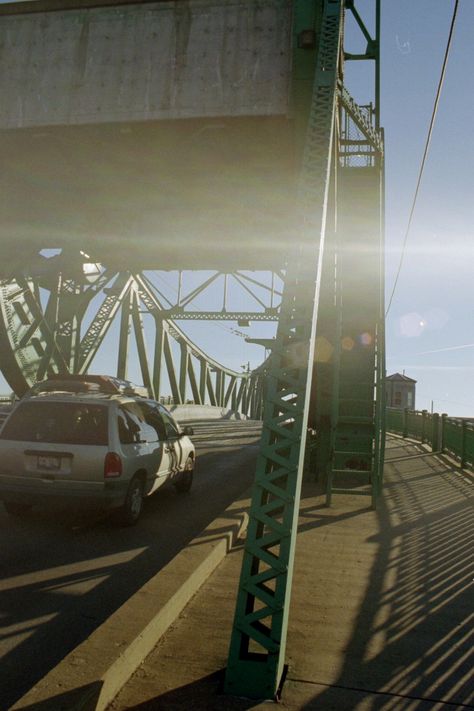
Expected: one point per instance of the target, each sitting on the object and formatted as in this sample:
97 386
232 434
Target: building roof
403 378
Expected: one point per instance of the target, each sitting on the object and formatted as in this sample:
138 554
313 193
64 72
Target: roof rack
72 383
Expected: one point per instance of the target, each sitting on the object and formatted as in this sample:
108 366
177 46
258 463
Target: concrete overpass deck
382 607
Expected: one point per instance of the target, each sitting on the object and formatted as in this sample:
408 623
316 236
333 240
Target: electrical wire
425 153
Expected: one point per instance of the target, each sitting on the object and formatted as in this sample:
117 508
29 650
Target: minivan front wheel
185 479
133 504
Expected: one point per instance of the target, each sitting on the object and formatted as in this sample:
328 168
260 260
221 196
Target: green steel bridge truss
326 367
56 320
327 363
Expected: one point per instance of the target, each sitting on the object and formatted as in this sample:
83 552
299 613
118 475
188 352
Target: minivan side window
136 423
154 419
127 427
172 431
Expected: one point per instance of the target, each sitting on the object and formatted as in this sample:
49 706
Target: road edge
90 677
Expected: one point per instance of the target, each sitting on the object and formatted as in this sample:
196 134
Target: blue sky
430 328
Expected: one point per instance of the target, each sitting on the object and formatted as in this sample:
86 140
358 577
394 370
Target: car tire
185 479
133 504
15 508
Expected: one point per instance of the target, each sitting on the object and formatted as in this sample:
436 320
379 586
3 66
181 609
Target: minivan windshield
57 422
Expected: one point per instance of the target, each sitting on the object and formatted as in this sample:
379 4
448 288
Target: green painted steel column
140 341
63 315
203 368
158 356
424 416
124 337
405 423
444 417
210 388
233 400
220 388
463 453
183 370
435 432
258 643
170 368
193 382
229 390
306 38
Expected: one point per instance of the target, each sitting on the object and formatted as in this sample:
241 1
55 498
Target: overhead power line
427 146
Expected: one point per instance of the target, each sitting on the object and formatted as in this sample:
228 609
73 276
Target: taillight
112 465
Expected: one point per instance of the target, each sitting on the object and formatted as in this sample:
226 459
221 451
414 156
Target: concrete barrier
184 413
90 677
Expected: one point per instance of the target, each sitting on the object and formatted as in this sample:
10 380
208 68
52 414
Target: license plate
49 462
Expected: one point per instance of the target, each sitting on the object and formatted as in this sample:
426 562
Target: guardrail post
463 443
435 432
423 425
405 423
442 433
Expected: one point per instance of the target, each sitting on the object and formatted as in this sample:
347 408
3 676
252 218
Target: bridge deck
192 194
381 605
148 134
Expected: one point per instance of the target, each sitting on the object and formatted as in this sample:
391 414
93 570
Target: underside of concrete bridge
154 134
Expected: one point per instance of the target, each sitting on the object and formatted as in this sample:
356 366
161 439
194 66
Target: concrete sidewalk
382 607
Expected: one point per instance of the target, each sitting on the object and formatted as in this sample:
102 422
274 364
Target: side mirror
188 431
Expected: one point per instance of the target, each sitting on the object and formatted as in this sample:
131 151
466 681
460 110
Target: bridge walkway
382 607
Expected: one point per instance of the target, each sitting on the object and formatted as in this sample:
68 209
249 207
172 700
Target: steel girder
41 332
261 293
257 648
356 445
330 384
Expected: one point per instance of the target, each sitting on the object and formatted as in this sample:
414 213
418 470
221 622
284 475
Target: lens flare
347 343
366 339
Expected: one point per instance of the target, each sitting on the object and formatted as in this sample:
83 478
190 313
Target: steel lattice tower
339 393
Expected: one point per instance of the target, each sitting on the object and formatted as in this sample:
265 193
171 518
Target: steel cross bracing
257 649
260 292
347 391
357 413
370 137
42 331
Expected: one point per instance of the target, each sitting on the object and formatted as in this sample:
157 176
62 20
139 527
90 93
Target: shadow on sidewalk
205 694
84 698
413 639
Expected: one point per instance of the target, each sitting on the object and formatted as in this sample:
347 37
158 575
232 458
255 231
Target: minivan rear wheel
133 504
15 508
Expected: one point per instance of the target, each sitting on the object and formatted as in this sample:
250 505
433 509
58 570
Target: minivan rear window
57 422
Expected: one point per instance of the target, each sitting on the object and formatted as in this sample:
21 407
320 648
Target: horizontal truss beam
178 315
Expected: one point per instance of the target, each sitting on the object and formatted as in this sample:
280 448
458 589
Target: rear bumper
109 495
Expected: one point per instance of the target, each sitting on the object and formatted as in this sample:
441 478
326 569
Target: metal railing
449 435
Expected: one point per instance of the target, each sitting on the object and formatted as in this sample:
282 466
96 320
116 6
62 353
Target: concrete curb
90 677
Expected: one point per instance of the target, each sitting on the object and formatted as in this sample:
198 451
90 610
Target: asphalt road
63 575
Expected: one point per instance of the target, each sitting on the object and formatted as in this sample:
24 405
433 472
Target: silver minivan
74 440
